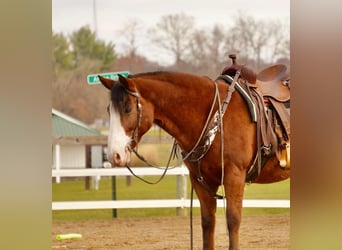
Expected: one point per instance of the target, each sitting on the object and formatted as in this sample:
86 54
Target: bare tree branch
172 33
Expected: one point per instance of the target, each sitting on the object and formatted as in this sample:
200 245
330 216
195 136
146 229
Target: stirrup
284 161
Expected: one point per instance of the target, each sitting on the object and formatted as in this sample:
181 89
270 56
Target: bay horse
180 104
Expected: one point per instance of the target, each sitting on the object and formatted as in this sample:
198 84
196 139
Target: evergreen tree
62 58
86 46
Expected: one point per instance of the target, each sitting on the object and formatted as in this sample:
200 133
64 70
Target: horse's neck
180 109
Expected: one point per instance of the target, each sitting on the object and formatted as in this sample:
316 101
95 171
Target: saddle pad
251 105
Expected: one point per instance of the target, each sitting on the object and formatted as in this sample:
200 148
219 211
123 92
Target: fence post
88 165
181 193
181 186
114 211
58 161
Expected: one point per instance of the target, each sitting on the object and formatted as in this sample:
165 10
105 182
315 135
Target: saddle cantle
273 82
270 91
272 73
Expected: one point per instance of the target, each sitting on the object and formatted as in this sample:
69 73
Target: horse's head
130 117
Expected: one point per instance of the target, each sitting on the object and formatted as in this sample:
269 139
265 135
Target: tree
129 34
280 40
74 58
105 53
255 39
61 54
216 47
172 33
86 46
72 95
198 46
206 50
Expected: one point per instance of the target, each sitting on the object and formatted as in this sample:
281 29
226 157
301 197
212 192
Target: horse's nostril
116 159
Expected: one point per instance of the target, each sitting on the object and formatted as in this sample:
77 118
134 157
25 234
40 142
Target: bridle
134 137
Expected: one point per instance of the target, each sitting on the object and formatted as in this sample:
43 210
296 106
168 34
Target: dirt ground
257 232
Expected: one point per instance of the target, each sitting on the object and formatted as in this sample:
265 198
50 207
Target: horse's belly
272 172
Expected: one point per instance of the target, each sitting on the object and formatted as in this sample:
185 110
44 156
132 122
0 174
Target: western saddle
270 91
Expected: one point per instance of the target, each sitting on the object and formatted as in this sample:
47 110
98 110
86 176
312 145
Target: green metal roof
64 125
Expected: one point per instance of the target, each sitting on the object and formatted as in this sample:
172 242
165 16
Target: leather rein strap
208 135
209 130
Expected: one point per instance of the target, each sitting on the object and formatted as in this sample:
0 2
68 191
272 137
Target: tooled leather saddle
269 91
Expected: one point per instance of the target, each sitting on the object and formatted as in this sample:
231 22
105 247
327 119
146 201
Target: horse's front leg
234 189
208 210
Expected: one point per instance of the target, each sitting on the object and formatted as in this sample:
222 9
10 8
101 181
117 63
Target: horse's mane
156 73
167 75
118 92
152 73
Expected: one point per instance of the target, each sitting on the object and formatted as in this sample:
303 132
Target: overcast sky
111 16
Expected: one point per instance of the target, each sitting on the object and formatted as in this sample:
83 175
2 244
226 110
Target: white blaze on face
117 138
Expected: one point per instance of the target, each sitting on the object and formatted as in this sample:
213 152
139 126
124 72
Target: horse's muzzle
121 160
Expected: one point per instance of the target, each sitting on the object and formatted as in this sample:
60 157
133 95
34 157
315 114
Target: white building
75 144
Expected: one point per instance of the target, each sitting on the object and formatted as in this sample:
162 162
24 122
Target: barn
75 144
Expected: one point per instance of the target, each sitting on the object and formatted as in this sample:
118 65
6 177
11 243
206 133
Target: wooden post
181 193
114 194
88 165
58 160
181 186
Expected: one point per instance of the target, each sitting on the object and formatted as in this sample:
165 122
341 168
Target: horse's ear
128 83
108 83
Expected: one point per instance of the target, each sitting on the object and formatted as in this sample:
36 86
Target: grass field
74 190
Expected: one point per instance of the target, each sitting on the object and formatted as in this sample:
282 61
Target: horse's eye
108 109
127 107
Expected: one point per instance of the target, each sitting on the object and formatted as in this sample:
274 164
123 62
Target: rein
192 151
208 134
172 155
134 138
210 129
216 123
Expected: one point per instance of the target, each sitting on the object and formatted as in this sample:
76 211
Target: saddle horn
246 73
